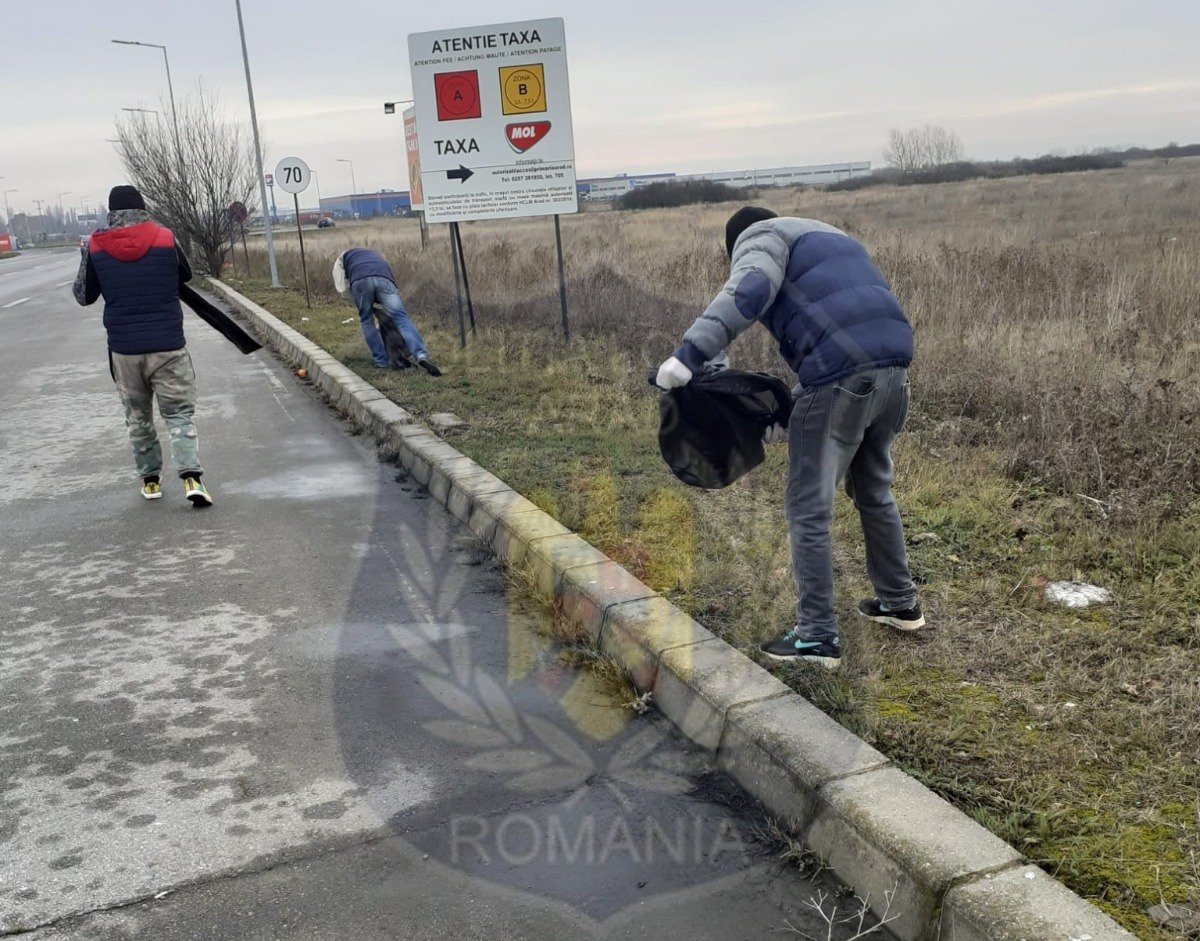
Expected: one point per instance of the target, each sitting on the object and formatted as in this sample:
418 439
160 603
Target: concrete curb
899 845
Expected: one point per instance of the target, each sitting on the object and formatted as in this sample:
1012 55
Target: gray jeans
845 430
168 377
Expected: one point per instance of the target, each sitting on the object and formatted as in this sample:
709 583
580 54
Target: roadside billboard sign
493 121
413 154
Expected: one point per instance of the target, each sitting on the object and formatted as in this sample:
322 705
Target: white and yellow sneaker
151 490
195 491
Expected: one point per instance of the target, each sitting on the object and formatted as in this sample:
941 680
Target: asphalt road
316 710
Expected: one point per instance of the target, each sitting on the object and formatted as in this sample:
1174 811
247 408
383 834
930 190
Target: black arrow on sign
462 173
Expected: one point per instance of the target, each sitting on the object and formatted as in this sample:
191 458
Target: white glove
775 433
672 374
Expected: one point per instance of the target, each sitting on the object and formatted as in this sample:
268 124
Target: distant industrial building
613 187
397 202
816 175
383 203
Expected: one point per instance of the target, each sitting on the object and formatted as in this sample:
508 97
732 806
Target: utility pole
262 180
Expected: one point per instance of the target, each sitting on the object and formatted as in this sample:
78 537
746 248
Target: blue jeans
369 291
845 430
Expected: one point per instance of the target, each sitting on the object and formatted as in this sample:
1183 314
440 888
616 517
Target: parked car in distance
325 223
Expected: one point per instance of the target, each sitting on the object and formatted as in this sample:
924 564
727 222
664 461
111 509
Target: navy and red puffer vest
138 272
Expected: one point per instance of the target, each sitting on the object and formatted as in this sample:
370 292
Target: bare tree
189 182
919 148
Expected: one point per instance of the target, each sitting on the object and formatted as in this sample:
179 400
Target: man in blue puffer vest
368 279
137 268
842 330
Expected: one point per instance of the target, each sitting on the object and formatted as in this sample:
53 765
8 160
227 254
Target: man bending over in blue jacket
369 280
842 330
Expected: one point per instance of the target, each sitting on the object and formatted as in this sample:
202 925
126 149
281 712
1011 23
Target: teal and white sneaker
791 646
195 491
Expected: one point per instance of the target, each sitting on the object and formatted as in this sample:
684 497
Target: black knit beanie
740 221
125 197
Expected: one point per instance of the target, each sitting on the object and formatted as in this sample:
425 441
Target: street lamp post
62 216
262 181
353 185
170 86
8 212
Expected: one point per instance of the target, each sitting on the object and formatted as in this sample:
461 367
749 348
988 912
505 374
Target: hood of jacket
130 240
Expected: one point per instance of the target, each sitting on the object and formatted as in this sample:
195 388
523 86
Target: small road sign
293 175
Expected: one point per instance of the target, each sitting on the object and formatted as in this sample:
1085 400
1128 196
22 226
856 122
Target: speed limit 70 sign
292 175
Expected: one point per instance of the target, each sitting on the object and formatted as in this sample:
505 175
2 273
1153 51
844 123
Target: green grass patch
1072 734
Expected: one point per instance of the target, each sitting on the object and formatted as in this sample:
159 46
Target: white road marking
64 283
277 387
13 304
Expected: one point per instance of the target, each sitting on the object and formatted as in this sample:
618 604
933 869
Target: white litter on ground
1077 594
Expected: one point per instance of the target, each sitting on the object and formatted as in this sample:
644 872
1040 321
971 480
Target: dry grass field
1053 435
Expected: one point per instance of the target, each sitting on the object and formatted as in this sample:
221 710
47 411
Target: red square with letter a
457 95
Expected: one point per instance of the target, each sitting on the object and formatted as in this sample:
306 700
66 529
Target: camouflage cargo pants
170 378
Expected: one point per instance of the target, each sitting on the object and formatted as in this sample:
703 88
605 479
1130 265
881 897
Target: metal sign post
303 260
236 214
462 264
562 279
294 176
462 326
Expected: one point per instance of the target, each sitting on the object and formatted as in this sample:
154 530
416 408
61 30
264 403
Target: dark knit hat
740 221
125 197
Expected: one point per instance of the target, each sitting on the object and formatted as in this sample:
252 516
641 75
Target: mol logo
523 136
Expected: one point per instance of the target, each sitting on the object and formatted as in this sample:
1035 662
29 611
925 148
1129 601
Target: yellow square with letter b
523 89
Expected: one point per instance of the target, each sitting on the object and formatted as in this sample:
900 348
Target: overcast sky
678 86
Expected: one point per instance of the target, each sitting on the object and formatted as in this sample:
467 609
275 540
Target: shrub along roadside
1067 733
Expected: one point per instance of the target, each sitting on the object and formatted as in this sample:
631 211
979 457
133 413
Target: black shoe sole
429 368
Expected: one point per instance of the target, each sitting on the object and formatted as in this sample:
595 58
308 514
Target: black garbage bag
218 320
710 431
399 355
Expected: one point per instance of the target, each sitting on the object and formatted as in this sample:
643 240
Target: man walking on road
137 267
842 330
369 280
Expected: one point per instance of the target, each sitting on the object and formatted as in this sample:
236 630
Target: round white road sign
292 175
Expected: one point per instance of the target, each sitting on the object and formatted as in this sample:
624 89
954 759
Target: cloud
1068 98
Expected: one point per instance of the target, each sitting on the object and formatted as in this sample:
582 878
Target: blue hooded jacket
818 293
